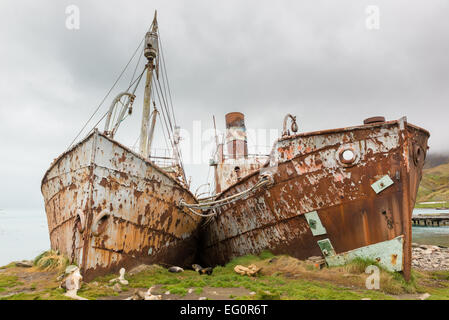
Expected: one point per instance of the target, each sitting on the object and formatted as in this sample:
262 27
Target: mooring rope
212 205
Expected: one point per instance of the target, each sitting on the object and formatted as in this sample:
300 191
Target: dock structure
431 220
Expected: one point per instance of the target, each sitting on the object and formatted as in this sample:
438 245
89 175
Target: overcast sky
314 59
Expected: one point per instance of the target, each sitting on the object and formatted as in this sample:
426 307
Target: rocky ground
430 258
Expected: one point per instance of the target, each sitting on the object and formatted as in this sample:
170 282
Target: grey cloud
313 59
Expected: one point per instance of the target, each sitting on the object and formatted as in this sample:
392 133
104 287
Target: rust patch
310 176
394 258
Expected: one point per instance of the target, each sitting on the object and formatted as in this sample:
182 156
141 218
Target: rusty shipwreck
109 206
340 194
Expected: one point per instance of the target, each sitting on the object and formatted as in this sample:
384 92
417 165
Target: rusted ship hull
108 208
320 203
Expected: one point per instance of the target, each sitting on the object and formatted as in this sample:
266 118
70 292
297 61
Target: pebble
429 257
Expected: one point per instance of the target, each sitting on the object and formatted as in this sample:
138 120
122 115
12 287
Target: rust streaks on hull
116 210
331 173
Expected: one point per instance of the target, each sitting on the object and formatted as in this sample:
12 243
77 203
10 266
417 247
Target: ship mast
151 52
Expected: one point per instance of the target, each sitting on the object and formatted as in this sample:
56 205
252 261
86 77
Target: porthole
418 155
100 224
347 155
79 221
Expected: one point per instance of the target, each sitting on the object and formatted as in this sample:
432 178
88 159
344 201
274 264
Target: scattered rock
139 268
366 299
24 264
429 257
167 293
175 269
190 290
252 293
202 298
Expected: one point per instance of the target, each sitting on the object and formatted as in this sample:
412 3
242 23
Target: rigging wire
101 119
107 95
137 65
166 118
164 104
166 76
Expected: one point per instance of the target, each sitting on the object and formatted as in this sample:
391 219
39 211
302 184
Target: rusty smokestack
236 135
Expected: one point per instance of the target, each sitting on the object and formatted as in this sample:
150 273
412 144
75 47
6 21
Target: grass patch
8 281
93 291
274 283
11 265
432 205
281 277
51 261
50 294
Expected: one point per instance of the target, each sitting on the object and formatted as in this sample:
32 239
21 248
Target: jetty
434 220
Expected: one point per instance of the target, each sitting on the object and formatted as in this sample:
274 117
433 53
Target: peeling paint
128 207
310 177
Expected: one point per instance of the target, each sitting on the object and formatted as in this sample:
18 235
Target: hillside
434 184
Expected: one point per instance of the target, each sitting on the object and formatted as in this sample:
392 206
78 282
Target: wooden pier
431 220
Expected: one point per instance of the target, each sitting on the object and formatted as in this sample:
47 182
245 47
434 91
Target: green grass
434 186
11 265
48 294
283 278
92 292
432 205
266 287
7 281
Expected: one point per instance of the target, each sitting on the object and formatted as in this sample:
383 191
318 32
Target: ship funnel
236 135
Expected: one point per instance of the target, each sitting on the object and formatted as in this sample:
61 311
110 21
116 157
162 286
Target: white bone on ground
73 281
73 284
150 296
73 294
121 277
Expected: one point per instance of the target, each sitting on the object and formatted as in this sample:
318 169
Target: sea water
24 233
